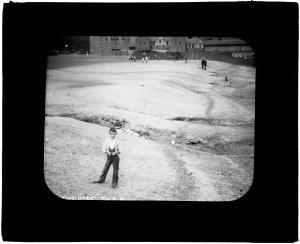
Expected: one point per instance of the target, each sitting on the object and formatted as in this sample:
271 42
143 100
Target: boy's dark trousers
114 160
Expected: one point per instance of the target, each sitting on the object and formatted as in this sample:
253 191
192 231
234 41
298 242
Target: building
79 43
118 45
225 44
72 44
112 45
194 47
95 44
132 44
143 43
161 44
177 44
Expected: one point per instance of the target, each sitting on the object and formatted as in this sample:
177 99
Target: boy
112 150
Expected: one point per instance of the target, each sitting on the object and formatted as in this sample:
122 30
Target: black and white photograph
150 118
150 122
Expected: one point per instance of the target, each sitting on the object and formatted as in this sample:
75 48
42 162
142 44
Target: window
123 38
179 43
105 38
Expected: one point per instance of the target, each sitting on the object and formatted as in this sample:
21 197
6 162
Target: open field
185 133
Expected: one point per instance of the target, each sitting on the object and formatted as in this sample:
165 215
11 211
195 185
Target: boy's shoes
98 181
114 185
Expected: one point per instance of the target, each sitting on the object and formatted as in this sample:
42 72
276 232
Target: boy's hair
112 130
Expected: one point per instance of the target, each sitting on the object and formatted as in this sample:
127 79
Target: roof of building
155 38
193 40
227 41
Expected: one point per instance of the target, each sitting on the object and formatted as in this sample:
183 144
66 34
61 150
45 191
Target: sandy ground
172 100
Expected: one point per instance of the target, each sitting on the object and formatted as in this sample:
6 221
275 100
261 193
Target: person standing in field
111 149
204 63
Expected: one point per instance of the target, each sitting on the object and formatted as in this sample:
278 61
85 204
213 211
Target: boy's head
112 133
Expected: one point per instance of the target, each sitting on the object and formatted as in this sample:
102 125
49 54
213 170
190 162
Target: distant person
185 59
204 63
112 150
146 59
134 58
143 60
227 80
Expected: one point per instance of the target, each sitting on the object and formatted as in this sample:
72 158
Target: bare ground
211 124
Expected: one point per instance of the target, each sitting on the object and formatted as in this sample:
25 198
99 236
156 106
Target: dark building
144 43
120 45
112 45
161 44
177 44
80 43
194 47
225 44
70 44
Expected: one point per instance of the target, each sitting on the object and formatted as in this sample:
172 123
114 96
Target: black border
267 213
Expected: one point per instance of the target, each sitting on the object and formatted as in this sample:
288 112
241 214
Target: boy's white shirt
110 143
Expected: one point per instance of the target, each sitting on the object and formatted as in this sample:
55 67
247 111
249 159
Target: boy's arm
105 148
118 148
